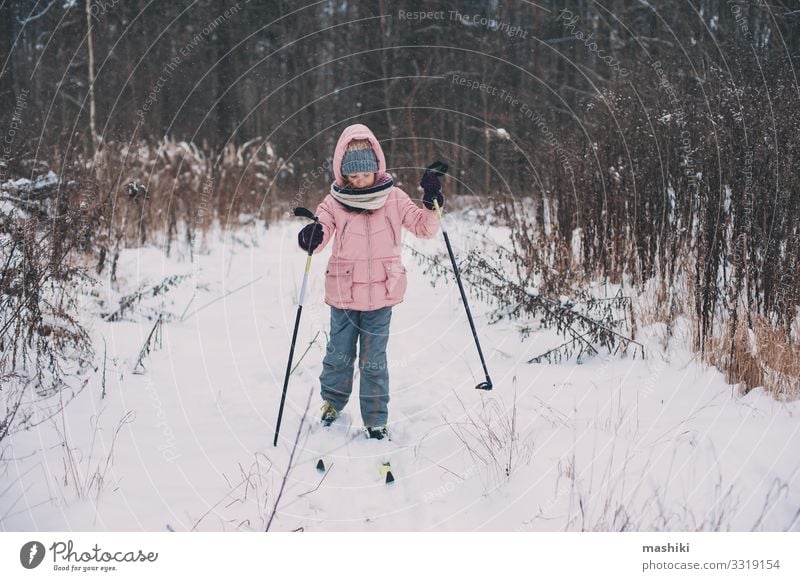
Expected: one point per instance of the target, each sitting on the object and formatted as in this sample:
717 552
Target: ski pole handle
301 299
439 168
439 212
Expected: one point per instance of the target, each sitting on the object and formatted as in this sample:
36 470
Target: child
365 277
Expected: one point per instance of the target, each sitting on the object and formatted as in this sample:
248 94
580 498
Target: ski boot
377 432
329 414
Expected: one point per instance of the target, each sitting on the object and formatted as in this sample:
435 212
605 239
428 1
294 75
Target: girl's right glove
310 237
432 188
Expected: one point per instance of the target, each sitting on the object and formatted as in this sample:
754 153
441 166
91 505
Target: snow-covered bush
43 346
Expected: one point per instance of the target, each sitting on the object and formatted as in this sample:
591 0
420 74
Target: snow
615 443
42 181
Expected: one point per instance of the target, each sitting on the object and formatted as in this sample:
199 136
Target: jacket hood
357 131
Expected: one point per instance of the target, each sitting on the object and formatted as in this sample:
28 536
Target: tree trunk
90 48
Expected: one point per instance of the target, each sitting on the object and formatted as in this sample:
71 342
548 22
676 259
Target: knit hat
359 158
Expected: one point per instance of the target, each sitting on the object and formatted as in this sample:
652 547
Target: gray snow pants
348 327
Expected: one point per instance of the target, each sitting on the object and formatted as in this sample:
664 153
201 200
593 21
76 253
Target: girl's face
361 179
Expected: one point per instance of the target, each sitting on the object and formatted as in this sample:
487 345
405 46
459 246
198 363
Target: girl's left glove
432 188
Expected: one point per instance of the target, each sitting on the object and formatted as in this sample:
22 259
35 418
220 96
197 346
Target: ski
386 470
387 473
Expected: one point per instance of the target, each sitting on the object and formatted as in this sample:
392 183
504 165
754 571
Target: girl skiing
364 214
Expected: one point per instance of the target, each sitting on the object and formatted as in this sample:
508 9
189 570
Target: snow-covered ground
615 443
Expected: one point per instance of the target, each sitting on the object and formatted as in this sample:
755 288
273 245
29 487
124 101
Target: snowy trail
614 443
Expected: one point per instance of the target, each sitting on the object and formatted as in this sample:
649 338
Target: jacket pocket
339 282
396 280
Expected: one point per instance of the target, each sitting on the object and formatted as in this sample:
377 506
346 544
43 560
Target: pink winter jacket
365 271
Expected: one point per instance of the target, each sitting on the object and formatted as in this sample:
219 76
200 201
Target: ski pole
305 213
440 169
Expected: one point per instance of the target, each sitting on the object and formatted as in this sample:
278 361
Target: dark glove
432 188
310 237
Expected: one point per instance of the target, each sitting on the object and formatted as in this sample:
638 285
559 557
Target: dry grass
87 475
754 354
172 192
77 218
491 437
758 356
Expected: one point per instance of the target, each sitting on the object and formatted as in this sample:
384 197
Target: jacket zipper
341 235
389 225
369 264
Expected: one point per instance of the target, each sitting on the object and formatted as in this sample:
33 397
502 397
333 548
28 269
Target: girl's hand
310 237
432 188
